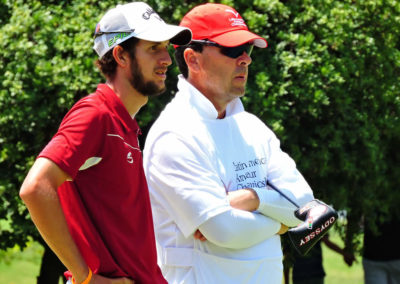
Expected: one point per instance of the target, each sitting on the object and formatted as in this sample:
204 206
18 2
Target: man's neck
130 98
219 105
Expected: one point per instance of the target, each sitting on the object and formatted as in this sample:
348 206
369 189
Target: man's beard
138 82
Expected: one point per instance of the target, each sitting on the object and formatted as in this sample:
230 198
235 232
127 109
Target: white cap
138 20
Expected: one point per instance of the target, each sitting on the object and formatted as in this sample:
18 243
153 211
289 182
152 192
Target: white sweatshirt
191 160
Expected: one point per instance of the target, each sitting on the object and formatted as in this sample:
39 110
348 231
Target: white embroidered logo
236 21
230 11
129 158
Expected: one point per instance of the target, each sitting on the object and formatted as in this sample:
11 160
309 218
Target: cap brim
239 37
175 34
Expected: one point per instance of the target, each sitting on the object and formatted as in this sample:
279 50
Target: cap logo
146 15
230 11
114 39
236 21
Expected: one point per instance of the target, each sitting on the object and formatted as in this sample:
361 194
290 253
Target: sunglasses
232 52
99 33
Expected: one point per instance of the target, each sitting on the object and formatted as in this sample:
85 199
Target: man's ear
120 56
191 59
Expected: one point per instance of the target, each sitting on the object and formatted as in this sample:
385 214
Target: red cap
221 24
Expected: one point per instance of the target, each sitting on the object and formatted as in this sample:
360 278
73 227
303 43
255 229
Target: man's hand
98 279
244 199
348 258
199 236
283 229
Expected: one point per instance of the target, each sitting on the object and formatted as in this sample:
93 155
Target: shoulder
89 108
251 123
250 117
93 102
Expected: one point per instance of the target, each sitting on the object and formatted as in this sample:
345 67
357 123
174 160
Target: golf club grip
281 193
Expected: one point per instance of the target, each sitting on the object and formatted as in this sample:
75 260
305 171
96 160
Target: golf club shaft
281 193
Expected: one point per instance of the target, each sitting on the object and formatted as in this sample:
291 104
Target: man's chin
149 89
239 92
156 93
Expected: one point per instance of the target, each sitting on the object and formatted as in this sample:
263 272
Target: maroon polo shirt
107 204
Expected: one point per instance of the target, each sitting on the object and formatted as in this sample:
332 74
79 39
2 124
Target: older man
209 162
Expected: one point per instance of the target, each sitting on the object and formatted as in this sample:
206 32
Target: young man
87 192
206 158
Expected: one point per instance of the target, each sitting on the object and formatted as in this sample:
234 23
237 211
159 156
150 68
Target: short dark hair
107 63
180 59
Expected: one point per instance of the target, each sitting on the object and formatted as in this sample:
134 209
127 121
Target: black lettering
146 15
239 166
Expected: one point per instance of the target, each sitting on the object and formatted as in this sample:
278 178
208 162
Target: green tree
333 95
47 64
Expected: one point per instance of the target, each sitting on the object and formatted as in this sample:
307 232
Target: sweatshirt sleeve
238 229
284 175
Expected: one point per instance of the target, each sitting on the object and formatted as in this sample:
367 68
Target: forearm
272 204
40 196
50 221
332 245
238 229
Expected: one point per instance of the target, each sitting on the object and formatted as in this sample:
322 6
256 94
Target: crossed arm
182 177
232 228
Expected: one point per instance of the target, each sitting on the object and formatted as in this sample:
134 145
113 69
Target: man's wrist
255 198
86 280
261 195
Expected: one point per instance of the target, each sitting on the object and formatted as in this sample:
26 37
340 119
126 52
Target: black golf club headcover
318 219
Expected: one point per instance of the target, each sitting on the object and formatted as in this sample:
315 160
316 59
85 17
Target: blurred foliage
328 85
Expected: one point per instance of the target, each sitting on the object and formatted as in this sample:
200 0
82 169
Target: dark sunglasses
99 33
232 52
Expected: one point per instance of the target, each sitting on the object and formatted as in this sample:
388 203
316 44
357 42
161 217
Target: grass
18 267
337 271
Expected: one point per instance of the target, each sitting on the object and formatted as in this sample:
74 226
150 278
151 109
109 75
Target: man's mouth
161 72
241 77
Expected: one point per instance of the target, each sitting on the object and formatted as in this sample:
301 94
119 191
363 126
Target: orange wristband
87 280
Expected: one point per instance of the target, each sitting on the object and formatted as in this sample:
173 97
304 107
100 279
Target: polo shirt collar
201 104
119 110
